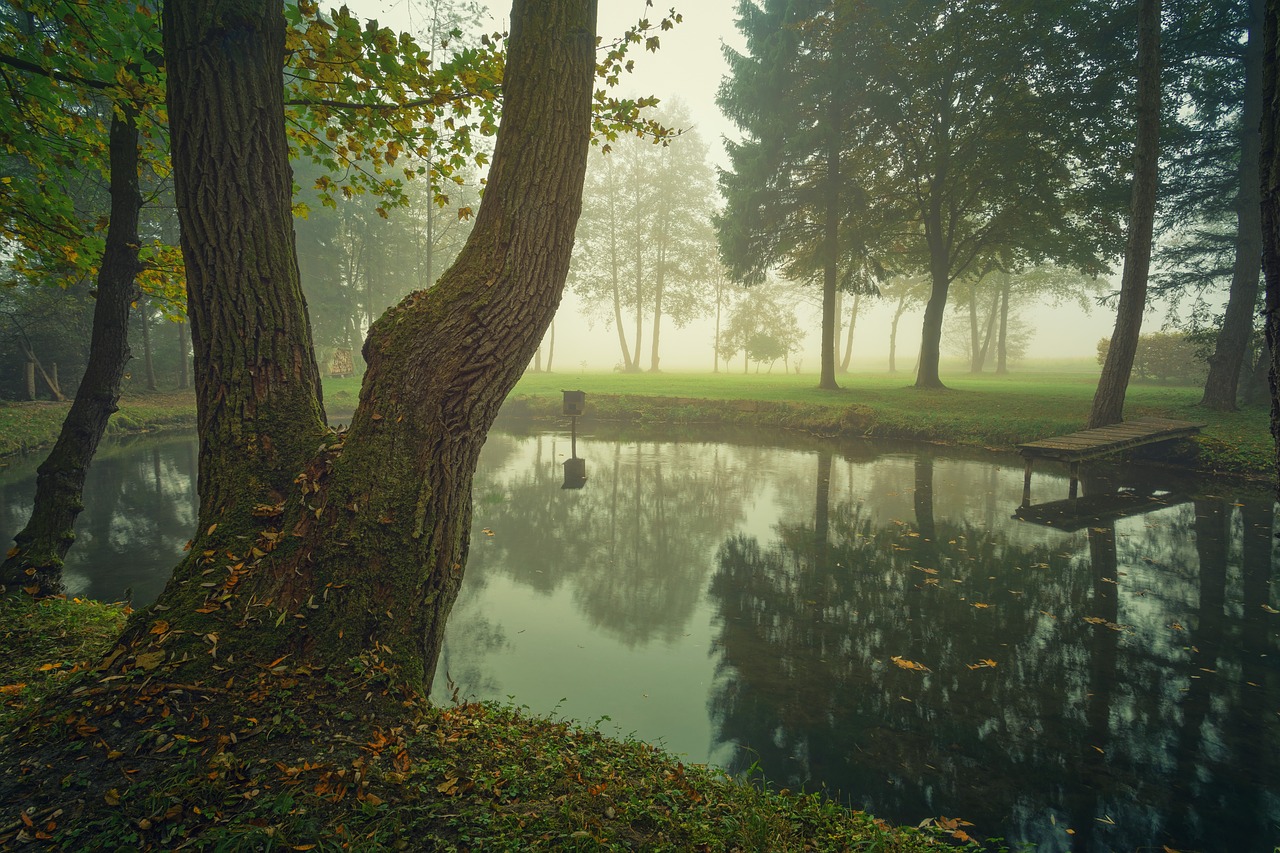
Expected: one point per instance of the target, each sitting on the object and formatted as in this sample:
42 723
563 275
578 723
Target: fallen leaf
981 606
1269 608
149 661
160 627
112 797
909 664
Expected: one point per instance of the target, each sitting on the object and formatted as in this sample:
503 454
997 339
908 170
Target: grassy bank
463 777
982 411
28 426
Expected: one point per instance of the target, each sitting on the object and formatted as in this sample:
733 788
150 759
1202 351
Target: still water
863 618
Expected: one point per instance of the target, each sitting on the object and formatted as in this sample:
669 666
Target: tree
795 197
1108 400
346 559
1270 159
990 149
762 328
644 240
44 213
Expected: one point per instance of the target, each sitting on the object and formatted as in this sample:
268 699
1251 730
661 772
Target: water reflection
140 509
866 618
881 626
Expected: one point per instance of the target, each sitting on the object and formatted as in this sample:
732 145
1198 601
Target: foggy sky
690 66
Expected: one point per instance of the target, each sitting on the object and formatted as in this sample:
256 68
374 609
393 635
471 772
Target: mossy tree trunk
1108 400
35 562
331 547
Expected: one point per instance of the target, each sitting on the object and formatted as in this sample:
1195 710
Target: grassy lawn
27 426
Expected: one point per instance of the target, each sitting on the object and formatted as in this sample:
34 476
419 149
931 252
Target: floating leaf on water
981 606
1269 608
909 664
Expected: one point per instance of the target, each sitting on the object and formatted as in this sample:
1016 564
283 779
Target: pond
882 622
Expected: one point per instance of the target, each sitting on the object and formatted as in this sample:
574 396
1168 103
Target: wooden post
1075 481
1026 483
31 379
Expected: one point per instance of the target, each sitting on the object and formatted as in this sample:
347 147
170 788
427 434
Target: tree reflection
1103 690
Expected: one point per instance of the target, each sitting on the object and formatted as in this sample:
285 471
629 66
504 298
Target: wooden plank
1102 441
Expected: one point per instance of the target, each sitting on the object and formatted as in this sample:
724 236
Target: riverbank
464 776
25 427
991 412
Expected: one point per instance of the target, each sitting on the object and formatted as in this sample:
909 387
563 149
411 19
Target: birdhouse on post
575 402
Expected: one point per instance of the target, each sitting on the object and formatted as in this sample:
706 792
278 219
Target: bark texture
257 384
332 548
1271 212
1108 400
1232 345
41 546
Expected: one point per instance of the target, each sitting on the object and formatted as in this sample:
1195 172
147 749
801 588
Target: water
864 618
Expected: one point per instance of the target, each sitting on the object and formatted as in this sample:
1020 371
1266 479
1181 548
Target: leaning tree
339 553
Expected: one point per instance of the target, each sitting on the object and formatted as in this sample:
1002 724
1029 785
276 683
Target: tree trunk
934 311
830 269
370 544
1108 400
551 346
657 316
715 347
42 545
1002 345
988 334
893 334
1270 179
149 365
848 340
975 366
1227 361
839 332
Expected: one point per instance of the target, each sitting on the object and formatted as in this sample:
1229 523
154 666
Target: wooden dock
1103 441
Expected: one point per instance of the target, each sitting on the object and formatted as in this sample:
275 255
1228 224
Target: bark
893 334
1270 180
356 550
1222 384
934 310
628 364
148 362
1108 400
43 544
830 269
258 404
1002 345
848 341
980 358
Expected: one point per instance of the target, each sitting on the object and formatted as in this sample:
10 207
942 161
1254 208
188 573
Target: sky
690 66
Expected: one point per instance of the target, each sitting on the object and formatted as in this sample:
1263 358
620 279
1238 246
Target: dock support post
1075 480
1026 483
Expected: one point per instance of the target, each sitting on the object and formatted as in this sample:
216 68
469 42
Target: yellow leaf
448 785
12 552
13 688
160 627
112 797
909 664
980 605
212 527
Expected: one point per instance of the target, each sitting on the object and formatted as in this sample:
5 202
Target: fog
689 68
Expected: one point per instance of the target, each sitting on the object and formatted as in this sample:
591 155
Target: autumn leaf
448 785
112 797
909 664
159 627
1269 608
981 606
13 688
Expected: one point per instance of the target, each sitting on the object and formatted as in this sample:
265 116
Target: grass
29 426
988 411
984 411
46 643
461 777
